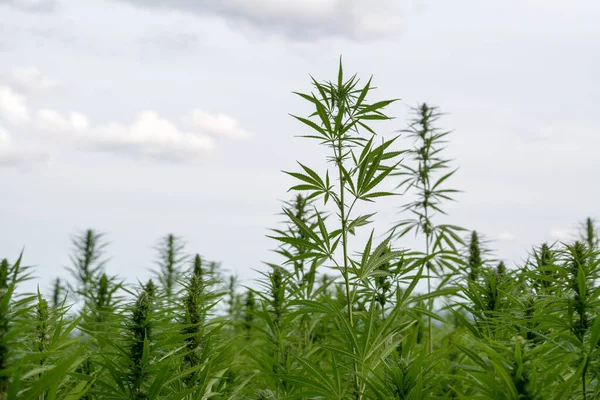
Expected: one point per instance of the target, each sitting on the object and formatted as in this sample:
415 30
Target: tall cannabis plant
428 179
170 264
359 164
588 233
57 292
475 261
87 260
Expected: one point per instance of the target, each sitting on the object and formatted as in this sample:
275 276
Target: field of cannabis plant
331 320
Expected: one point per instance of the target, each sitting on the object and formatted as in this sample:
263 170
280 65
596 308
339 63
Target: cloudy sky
144 117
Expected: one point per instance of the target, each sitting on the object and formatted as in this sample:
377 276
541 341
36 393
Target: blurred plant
170 263
440 240
588 233
475 262
87 262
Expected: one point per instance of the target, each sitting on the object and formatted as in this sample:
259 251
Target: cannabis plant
441 240
344 312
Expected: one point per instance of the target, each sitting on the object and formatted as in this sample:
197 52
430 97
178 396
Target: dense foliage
331 320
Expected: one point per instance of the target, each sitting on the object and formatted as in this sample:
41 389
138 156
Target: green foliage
589 233
170 262
441 240
475 262
57 291
87 262
332 318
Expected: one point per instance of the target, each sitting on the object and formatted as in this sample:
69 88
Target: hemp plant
589 233
200 352
428 178
87 260
582 267
12 311
475 262
342 114
170 263
360 163
131 369
57 291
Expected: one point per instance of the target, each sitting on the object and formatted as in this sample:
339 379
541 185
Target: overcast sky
144 117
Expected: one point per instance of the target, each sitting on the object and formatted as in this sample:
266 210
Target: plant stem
426 193
430 300
343 217
426 187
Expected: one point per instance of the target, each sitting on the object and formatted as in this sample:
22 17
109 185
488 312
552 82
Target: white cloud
313 9
32 5
562 234
12 105
216 124
51 120
31 79
148 135
300 19
11 157
4 138
22 160
154 136
505 236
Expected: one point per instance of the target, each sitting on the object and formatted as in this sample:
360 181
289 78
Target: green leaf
304 178
322 112
359 221
442 179
303 188
314 175
376 106
340 74
377 194
338 120
310 98
57 373
595 333
363 94
313 126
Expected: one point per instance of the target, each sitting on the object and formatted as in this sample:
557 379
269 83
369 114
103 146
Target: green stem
430 305
427 254
426 193
344 218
